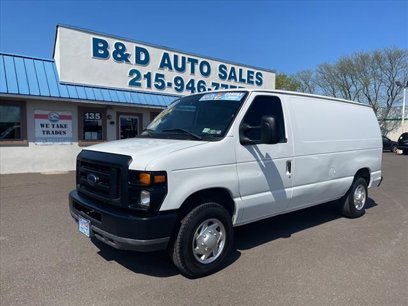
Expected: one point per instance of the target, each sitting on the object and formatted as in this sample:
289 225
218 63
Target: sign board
53 127
88 58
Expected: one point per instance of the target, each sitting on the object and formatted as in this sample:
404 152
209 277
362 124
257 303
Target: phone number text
178 83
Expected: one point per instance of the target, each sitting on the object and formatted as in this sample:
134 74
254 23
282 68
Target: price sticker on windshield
224 96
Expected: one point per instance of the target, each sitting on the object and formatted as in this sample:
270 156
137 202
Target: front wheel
355 200
203 241
394 149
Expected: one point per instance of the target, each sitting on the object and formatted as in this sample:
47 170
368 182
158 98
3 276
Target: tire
354 202
203 241
394 149
405 151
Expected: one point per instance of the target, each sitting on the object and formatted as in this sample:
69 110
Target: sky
286 36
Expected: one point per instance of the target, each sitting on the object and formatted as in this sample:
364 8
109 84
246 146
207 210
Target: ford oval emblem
92 179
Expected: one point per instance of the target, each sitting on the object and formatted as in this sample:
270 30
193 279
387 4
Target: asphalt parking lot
310 257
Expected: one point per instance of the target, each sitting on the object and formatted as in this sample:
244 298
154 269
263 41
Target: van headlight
145 198
146 189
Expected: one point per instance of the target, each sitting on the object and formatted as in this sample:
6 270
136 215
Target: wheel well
364 173
218 195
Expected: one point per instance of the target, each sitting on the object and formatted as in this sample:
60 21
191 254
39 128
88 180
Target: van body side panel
265 187
333 140
209 166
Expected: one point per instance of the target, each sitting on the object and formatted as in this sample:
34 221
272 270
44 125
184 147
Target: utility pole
404 93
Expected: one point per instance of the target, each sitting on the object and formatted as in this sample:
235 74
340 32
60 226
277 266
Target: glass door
128 126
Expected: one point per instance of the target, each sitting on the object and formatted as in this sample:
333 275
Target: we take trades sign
88 58
53 127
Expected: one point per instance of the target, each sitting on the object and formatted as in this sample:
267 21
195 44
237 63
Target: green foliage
285 82
366 77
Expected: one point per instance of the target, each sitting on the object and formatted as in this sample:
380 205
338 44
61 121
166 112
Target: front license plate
84 226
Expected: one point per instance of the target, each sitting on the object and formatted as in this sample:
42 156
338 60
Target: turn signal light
144 178
158 179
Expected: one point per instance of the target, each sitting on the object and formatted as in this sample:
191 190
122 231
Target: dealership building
97 88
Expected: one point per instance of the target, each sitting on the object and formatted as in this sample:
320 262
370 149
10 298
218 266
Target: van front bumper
124 229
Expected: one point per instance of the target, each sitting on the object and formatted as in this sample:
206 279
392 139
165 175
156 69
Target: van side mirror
243 138
269 130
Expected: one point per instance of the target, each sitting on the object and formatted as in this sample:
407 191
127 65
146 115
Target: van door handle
289 167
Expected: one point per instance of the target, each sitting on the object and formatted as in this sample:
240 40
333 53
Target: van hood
144 150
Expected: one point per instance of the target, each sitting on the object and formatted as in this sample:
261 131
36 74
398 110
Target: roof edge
74 100
26 56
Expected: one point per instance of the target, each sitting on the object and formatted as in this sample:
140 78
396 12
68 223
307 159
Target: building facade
44 124
97 88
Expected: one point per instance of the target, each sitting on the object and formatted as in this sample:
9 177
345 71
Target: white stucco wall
38 158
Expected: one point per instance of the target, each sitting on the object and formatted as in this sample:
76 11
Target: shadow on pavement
283 226
159 264
156 264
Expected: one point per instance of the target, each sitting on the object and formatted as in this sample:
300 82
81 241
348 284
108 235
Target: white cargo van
214 161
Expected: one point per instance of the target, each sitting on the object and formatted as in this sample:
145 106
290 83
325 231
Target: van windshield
200 117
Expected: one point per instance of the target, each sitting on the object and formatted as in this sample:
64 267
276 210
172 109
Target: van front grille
103 177
98 180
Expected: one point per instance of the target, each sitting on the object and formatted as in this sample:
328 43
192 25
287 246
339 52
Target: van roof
291 93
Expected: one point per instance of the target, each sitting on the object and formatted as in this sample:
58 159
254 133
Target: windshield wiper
147 132
185 132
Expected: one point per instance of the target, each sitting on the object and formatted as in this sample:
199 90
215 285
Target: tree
306 81
366 77
286 82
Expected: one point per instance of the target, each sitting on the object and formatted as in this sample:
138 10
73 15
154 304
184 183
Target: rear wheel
354 201
203 241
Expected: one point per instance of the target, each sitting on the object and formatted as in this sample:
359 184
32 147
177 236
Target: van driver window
264 106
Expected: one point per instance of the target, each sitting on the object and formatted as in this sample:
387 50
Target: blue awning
27 76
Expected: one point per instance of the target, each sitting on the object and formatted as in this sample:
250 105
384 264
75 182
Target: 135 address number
92 116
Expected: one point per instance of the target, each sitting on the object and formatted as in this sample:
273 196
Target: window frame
139 118
23 124
284 138
81 112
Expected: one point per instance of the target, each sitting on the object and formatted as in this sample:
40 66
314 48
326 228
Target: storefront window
92 125
12 121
